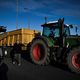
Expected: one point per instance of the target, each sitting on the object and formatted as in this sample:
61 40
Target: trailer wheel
73 60
40 52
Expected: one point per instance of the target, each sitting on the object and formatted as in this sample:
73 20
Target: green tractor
58 44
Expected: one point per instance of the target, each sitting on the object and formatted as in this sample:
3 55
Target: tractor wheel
40 52
73 60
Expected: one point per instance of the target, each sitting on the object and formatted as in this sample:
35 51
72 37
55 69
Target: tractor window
51 31
67 31
56 32
46 31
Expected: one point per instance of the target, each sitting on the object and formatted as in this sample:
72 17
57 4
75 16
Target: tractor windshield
55 31
51 31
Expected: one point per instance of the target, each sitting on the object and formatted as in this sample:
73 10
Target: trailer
24 36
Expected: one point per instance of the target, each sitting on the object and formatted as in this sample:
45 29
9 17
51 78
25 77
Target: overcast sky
36 10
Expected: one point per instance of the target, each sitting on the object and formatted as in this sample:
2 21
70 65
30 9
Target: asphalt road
29 71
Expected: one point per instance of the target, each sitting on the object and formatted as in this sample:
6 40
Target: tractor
58 44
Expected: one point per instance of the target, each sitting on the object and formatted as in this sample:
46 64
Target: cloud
42 14
67 12
63 7
7 4
30 5
45 7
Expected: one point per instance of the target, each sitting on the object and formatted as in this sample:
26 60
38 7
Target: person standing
3 67
16 53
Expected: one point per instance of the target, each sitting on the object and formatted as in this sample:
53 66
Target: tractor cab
56 30
53 29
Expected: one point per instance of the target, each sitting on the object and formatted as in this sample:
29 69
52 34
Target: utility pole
17 10
28 22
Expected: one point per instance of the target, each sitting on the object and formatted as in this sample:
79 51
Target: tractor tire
73 60
39 52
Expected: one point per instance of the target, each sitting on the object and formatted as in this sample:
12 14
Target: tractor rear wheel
73 60
40 53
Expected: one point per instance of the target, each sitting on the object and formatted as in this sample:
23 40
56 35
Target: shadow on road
54 64
64 67
3 71
60 66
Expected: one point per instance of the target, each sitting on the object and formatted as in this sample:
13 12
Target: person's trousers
18 58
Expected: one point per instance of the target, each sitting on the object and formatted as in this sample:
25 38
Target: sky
32 13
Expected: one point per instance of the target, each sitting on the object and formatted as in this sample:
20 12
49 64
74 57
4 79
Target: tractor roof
51 23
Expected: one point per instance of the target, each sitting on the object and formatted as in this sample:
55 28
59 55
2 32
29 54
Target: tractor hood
73 40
